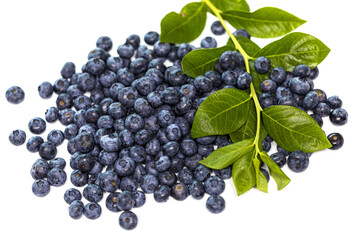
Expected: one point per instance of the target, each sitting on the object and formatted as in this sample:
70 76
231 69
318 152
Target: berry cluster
128 118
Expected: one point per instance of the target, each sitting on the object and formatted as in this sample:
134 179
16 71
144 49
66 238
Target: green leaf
257 78
243 173
275 171
249 129
227 155
223 112
294 49
267 22
199 61
293 129
250 47
185 26
226 5
261 181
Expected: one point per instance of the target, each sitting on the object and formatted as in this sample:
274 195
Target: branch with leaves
237 112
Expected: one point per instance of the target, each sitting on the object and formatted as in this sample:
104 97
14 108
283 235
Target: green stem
246 57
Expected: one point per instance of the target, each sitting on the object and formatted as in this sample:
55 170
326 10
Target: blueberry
15 95
148 183
244 81
183 49
154 72
124 166
40 187
34 143
97 53
66 116
153 147
242 33
334 102
322 109
64 100
93 193
125 201
56 137
129 184
176 77
231 60
57 163
111 202
92 210
299 86
278 75
203 84
224 173
197 190
39 169
17 137
76 209
171 148
105 43
60 85
165 118
79 178
48 150
51 114
266 100
208 42
214 185
193 161
268 86
180 191
128 220
37 125
217 28
215 204
71 195
151 37
262 65
285 152
188 147
336 140
301 71
298 161
127 96
126 50
321 94
56 177
45 90
70 131
279 159
161 49
162 193
339 116
167 178
314 73
310 100
201 173
170 96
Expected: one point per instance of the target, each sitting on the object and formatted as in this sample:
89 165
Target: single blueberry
76 209
217 28
215 204
298 161
41 187
37 125
92 210
128 220
15 95
105 43
45 90
339 116
262 65
162 193
71 195
336 140
56 177
17 137
93 193
214 185
208 42
180 191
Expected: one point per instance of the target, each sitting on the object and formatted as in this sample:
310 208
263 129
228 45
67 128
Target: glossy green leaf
223 112
227 155
261 181
275 171
199 61
226 5
294 49
267 22
249 129
185 26
243 173
250 47
293 129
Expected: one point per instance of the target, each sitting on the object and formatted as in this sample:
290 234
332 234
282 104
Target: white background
38 37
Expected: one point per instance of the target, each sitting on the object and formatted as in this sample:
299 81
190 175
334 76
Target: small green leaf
249 129
199 61
279 176
250 47
267 22
223 112
226 5
262 182
227 155
185 26
243 173
294 49
293 129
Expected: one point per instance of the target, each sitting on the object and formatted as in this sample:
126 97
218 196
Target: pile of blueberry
127 124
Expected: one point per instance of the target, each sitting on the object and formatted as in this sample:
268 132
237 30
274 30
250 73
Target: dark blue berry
34 143
262 65
171 148
17 137
322 109
334 102
161 49
128 220
76 209
37 125
51 114
336 140
201 173
167 178
56 177
203 84
242 33
129 184
183 49
149 183
299 86
208 42
224 173
139 65
215 204
278 75
151 37
217 28
79 178
301 71
124 166
57 163
180 191
298 161
231 60
93 193
45 90
279 159
339 116
197 190
162 193
170 96
39 169
214 185
40 187
311 100
48 150
185 176
56 137
92 210
268 86
244 81
15 95
68 70
105 43
111 202
71 195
